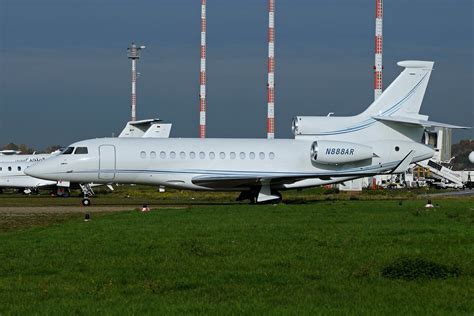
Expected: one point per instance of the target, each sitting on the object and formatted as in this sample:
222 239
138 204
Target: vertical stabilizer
405 95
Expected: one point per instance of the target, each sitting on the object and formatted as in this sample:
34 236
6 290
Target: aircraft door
107 162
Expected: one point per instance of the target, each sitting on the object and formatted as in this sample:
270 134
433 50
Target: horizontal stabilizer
414 121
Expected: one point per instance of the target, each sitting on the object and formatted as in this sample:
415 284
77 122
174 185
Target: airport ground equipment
445 176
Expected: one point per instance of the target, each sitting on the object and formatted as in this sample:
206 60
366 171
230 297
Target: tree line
24 149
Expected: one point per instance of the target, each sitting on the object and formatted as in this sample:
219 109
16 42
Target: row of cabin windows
211 155
9 168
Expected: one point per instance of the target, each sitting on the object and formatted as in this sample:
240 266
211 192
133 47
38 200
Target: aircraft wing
226 182
245 181
414 121
217 182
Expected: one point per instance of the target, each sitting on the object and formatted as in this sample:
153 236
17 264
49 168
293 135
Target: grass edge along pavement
137 195
325 257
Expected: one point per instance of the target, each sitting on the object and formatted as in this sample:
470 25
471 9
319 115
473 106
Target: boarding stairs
440 172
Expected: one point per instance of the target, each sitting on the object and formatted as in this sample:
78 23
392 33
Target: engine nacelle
336 152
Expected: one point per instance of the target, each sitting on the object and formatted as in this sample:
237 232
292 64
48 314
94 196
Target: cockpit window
68 151
81 151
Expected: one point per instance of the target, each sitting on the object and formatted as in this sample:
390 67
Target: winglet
404 163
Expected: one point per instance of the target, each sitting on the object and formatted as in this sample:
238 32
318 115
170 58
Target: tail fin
405 95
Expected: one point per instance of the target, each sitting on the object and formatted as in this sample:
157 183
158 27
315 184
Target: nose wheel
87 191
86 202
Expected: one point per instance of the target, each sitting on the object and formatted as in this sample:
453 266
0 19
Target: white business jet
12 167
384 139
12 176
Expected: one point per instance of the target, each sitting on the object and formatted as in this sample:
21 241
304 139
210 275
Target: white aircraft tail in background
152 128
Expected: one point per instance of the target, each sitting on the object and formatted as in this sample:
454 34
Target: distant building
441 139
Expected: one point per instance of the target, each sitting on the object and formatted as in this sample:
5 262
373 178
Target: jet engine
336 152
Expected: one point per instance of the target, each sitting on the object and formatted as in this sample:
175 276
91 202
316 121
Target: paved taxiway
72 209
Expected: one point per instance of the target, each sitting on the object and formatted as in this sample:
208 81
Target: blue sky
64 75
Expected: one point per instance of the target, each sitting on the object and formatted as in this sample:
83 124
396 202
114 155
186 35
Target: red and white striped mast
378 68
271 71
202 80
134 55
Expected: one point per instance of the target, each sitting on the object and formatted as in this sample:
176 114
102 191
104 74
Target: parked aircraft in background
12 176
13 163
7 152
151 128
384 139
18 157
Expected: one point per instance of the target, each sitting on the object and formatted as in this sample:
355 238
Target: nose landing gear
86 201
88 192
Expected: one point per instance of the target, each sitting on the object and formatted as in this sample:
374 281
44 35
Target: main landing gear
261 195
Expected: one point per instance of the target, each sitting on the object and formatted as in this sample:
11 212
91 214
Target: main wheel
86 202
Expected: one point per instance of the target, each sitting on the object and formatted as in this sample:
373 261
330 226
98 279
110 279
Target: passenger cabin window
81 151
18 168
153 155
143 155
68 151
9 168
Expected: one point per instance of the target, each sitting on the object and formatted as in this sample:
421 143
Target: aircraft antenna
202 79
134 55
271 71
378 68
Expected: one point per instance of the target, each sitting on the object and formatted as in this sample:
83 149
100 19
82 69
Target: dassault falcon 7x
383 139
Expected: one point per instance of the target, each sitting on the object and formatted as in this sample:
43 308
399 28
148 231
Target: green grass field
323 257
136 195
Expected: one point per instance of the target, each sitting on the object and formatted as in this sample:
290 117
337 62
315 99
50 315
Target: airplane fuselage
188 163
